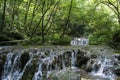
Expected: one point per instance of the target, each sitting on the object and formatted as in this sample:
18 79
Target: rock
2 62
47 52
117 71
89 65
118 78
117 56
65 75
93 56
24 59
82 61
30 71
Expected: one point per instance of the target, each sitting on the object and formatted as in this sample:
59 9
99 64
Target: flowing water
104 68
53 60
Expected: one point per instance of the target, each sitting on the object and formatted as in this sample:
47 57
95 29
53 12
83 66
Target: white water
73 61
38 74
12 69
104 68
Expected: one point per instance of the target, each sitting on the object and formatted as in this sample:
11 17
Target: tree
114 6
67 21
3 16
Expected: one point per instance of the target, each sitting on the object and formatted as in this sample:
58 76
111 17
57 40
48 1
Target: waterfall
12 70
44 62
7 67
102 67
28 63
73 59
38 74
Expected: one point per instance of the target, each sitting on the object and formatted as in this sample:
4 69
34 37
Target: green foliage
8 36
16 35
33 41
115 42
4 37
94 19
63 41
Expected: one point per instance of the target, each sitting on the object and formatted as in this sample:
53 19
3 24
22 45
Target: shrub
4 37
63 41
32 41
115 42
16 35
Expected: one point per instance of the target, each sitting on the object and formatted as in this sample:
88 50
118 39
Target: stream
59 63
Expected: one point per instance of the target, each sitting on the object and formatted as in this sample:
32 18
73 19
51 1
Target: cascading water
73 60
103 67
47 61
12 70
38 74
28 63
7 67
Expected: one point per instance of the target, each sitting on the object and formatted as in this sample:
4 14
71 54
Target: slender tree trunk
42 33
66 24
26 14
13 17
3 16
33 13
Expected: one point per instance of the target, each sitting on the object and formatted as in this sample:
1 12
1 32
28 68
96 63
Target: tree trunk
42 34
66 24
26 14
13 17
3 16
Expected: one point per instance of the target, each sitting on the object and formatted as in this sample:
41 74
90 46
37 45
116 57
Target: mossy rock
65 75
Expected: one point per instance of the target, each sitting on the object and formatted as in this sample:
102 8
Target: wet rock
93 56
117 56
118 78
24 58
81 53
117 71
47 52
2 62
30 71
82 61
67 58
89 65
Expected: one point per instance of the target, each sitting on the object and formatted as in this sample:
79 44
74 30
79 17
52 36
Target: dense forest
58 21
